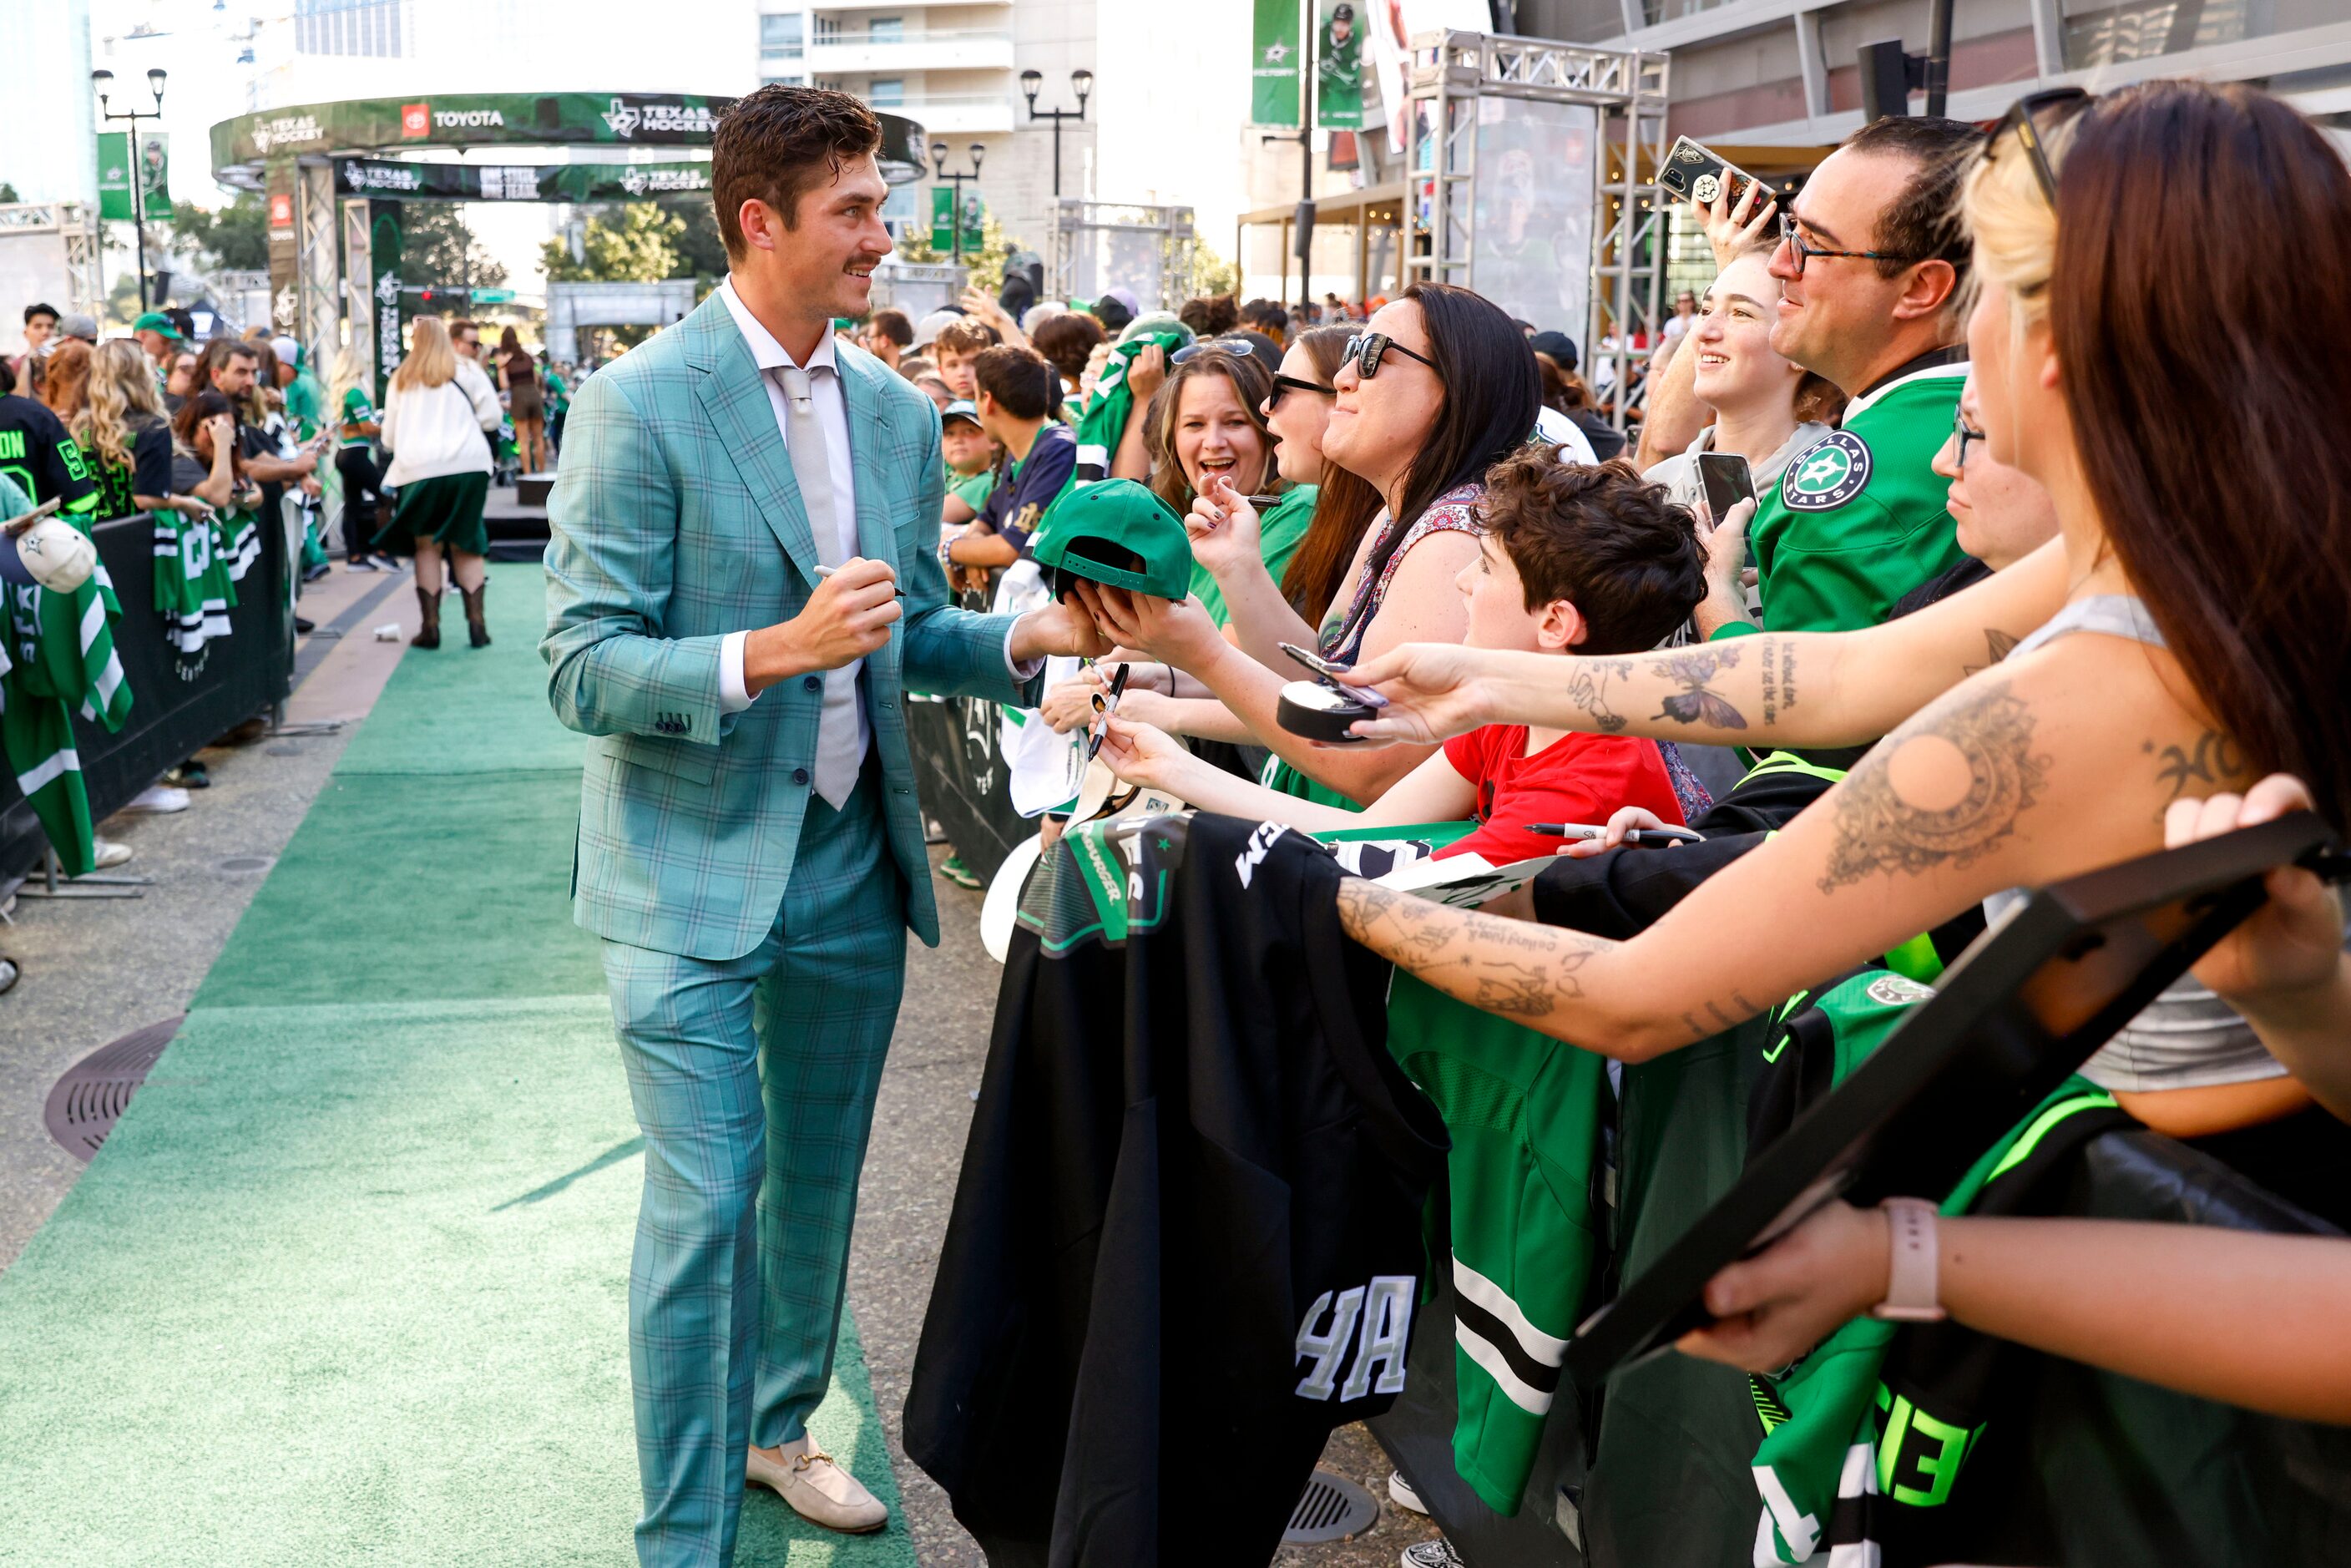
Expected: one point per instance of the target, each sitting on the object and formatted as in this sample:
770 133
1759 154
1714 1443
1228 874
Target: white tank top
2186 1037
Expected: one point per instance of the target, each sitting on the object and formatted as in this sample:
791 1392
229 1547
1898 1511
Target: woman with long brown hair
64 379
438 409
1439 386
526 401
121 430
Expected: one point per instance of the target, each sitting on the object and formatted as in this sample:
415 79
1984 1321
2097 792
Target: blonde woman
438 409
121 429
352 414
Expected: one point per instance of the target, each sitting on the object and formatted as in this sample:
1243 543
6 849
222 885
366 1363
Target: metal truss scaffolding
1101 245
1453 82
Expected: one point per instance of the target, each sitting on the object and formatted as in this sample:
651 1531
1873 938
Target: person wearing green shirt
1870 263
356 427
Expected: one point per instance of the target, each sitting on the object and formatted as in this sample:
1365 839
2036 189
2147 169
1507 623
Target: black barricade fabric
1187 1240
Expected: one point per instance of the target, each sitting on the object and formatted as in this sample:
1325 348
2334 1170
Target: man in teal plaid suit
742 584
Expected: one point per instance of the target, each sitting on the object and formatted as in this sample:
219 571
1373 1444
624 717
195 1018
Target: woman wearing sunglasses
1438 386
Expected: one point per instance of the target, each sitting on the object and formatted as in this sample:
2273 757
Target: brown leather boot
428 628
477 629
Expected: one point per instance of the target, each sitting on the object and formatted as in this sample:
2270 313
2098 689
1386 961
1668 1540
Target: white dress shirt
832 412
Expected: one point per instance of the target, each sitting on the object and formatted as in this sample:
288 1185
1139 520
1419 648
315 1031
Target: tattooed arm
2010 780
1799 689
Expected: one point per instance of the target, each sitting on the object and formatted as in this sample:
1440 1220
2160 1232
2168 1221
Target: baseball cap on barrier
1118 533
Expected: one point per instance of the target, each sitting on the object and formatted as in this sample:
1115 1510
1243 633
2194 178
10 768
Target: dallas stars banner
114 175
1275 53
1339 68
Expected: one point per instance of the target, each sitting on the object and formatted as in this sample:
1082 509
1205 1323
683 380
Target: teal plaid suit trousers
754 938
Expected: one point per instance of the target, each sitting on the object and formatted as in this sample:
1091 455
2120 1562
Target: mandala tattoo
1698 704
1587 688
1876 829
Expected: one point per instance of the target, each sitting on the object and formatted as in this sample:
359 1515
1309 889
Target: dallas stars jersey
59 656
1103 423
1524 1113
1865 1441
36 452
1858 519
192 589
1186 1239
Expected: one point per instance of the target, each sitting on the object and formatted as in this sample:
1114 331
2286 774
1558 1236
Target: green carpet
348 1282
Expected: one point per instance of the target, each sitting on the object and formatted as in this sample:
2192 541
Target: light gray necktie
838 753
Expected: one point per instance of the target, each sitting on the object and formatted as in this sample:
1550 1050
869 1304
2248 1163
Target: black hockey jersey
1187 1240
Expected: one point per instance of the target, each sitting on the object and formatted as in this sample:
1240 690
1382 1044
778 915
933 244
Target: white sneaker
1400 1493
1436 1553
159 801
817 1488
110 852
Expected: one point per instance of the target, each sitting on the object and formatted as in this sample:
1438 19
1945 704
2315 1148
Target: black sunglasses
1365 348
1284 385
2022 118
1963 432
1804 252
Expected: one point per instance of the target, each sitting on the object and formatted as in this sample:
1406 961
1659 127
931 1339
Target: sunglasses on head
1365 350
2024 119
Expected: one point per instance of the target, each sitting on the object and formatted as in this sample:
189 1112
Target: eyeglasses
1804 252
1365 350
1284 385
2021 120
1963 432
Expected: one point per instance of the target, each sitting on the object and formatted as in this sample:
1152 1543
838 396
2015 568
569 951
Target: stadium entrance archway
337 173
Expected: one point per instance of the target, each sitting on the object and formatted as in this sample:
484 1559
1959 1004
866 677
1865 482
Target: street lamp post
955 212
1081 82
103 80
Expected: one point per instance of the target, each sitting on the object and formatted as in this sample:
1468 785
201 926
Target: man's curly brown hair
779 143
1600 536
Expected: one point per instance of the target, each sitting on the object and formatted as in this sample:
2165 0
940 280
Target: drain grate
1332 1508
90 1099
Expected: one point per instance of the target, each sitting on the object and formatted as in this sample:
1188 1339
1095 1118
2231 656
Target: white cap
289 350
927 329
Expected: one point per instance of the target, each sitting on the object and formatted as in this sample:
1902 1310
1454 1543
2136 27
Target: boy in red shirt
1572 558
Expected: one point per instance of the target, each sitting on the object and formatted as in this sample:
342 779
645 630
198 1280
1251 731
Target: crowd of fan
2003 615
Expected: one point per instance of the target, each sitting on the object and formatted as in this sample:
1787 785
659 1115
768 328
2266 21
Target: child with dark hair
1017 394
1572 558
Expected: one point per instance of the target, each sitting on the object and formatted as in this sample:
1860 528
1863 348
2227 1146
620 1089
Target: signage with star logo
1828 474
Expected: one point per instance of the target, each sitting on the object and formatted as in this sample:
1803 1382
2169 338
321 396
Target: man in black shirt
229 368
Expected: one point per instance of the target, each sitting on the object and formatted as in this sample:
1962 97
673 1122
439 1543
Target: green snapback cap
156 321
1116 532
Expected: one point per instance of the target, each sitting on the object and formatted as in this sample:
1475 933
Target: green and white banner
1339 68
1276 53
155 172
114 175
974 212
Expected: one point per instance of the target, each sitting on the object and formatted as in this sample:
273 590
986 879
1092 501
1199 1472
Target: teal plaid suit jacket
675 520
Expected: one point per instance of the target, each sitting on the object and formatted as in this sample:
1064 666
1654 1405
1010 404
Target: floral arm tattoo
1987 730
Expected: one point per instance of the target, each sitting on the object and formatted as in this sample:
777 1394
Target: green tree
701 249
635 244
438 250
8 193
983 265
236 237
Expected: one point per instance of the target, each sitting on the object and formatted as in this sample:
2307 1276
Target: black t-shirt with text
38 453
150 473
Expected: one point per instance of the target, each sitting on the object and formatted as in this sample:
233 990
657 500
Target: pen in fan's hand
1631 835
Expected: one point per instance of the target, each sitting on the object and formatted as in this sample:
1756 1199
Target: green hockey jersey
1524 1113
1859 518
1872 1429
1103 423
60 657
192 591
